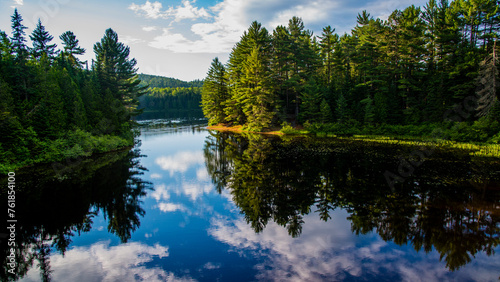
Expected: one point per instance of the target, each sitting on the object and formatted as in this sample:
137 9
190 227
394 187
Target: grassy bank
241 129
481 138
73 145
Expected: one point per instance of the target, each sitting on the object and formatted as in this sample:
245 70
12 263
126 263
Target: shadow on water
51 209
450 204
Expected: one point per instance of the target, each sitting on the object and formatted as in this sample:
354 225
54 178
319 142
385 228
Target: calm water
192 205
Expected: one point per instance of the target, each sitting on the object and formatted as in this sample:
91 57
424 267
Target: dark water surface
193 205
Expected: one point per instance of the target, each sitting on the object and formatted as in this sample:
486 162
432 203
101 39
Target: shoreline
239 129
476 148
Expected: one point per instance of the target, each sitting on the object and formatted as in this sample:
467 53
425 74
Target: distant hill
164 82
169 97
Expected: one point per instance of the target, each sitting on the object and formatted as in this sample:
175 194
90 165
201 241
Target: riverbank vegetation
54 106
423 71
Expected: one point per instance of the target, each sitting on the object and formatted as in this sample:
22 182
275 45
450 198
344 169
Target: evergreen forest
171 96
422 70
53 106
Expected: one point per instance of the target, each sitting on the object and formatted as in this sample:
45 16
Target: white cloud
232 17
217 36
102 262
19 2
180 162
153 10
128 40
149 28
187 11
149 10
169 207
311 12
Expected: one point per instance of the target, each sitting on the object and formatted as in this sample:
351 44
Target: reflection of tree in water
282 180
50 210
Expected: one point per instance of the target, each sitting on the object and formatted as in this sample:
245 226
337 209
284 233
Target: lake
188 204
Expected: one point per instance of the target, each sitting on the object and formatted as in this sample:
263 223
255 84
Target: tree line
167 82
53 105
168 97
172 99
413 68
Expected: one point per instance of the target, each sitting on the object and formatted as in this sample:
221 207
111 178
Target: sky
180 38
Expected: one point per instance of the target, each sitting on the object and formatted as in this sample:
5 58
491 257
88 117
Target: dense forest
170 96
155 81
421 69
172 99
54 106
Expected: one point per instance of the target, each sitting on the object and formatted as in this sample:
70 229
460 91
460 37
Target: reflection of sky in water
190 232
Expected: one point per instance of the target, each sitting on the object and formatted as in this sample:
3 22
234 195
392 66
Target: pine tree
369 110
311 98
327 43
325 112
303 60
215 93
280 68
117 74
41 39
18 35
341 111
488 83
71 48
256 37
256 94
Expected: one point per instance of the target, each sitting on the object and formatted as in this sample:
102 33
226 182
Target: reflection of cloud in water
202 174
211 266
180 162
169 207
196 190
329 251
101 262
160 193
156 176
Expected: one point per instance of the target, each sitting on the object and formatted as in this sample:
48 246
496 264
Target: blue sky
180 38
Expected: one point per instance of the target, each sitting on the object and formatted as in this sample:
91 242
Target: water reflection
51 210
450 204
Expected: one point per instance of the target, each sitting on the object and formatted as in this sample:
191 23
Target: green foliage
287 128
154 81
49 104
41 39
18 35
255 93
410 69
325 112
215 93
171 99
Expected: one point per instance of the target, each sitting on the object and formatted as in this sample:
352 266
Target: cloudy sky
179 38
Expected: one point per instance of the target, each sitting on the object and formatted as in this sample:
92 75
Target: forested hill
53 107
154 81
170 98
422 68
